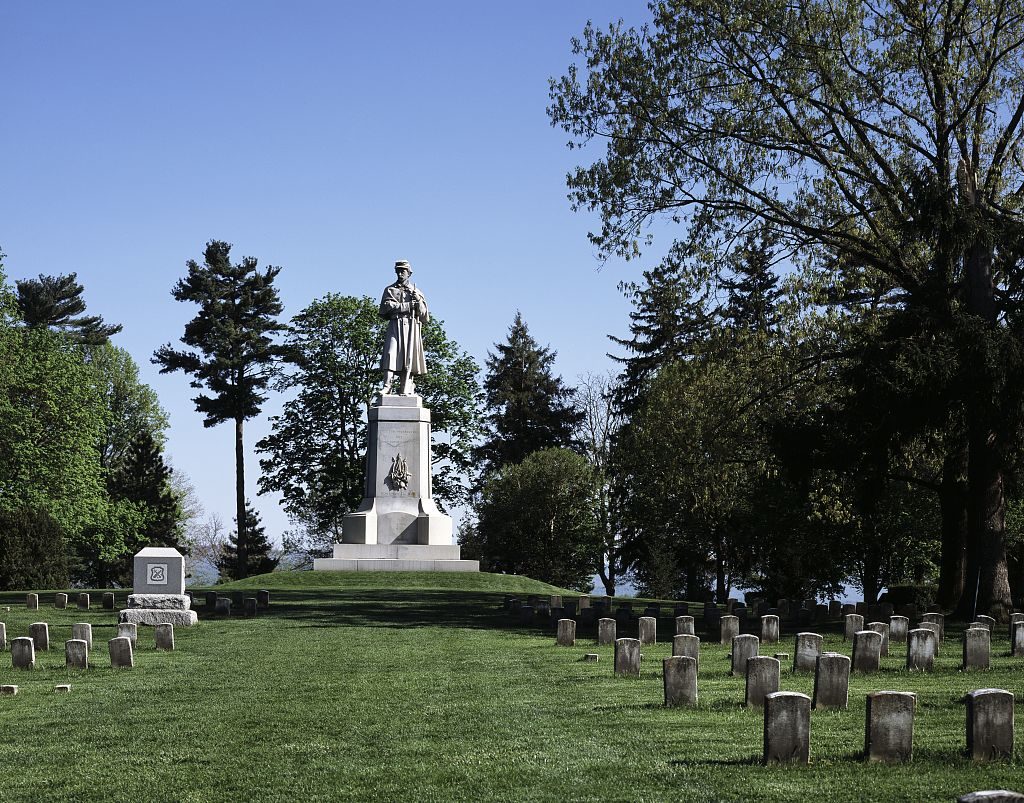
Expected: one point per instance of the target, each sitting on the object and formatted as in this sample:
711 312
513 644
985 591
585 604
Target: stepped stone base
335 565
396 558
154 616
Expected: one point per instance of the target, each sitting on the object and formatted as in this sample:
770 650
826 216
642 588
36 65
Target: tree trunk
870 576
988 582
953 510
242 552
721 589
606 571
988 585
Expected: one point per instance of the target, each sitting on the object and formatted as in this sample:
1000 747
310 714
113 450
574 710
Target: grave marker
76 654
762 679
687 646
23 653
921 649
82 631
934 628
40 635
648 630
806 652
606 632
883 630
743 647
831 681
728 628
121 656
889 730
566 636
680 680
898 627
989 724
627 657
787 728
130 631
977 648
866 650
163 634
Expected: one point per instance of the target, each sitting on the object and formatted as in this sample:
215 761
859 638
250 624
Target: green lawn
419 687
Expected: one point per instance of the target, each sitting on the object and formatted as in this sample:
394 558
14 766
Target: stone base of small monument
155 609
398 527
156 616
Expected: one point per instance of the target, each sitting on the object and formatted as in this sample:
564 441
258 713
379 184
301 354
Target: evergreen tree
252 543
233 335
529 408
753 291
670 320
53 301
145 479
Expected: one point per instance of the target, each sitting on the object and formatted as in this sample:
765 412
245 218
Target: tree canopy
880 144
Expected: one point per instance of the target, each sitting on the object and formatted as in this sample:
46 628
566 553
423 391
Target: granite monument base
395 558
156 616
398 527
155 609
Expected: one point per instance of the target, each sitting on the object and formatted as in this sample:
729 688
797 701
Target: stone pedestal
398 526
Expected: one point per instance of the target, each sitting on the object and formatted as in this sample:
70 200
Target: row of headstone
889 726
77 648
870 645
221 605
24 648
889 723
60 601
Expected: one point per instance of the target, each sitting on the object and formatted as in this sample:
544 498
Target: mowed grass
420 687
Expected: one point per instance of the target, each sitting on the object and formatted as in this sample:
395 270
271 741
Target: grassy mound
477 582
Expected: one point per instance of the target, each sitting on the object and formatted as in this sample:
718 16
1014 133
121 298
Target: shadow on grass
748 761
628 707
389 608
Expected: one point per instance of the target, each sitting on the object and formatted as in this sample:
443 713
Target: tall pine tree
528 407
53 301
252 543
233 333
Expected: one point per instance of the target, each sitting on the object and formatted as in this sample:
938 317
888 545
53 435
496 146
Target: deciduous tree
882 138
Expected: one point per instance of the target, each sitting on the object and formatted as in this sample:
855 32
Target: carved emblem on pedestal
398 477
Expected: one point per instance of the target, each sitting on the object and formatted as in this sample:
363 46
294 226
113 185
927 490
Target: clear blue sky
328 138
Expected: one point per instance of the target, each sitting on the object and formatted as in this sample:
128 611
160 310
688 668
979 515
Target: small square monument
159 570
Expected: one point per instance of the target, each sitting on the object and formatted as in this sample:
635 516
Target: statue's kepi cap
403 264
